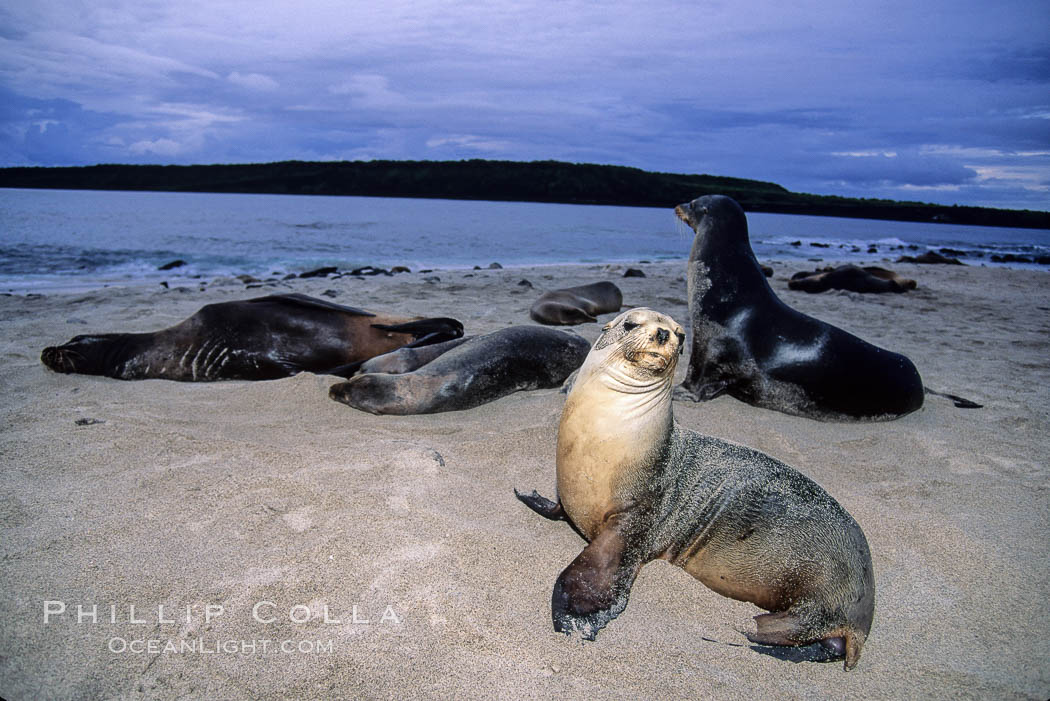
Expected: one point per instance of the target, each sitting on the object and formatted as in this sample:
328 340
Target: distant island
536 181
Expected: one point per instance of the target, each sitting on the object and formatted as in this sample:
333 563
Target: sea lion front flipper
593 589
541 505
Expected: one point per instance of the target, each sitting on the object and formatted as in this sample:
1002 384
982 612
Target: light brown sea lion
469 374
576 305
639 487
255 339
749 344
851 278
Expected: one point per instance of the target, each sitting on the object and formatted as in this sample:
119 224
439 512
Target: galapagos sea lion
930 257
852 278
255 339
639 487
576 305
480 370
749 344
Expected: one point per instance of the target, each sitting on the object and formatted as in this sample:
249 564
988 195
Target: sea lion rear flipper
432 339
541 505
701 393
784 628
427 331
775 629
594 588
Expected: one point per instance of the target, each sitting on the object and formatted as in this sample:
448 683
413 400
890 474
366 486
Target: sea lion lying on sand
749 344
851 278
255 339
468 373
577 305
930 257
639 487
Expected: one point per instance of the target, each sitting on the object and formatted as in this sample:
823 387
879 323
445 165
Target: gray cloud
752 89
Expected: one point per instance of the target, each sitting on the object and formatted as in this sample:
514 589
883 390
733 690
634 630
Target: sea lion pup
639 487
749 344
851 278
479 370
255 339
576 305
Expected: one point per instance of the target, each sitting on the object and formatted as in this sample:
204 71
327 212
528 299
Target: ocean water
52 239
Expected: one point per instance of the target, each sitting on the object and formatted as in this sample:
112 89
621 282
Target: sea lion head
713 214
642 344
87 354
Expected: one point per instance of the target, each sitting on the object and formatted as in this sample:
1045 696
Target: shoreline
229 494
174 280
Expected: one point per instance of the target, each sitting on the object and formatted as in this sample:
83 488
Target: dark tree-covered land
537 181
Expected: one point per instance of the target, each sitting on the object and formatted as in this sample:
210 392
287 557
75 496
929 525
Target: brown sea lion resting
851 278
577 305
465 372
639 487
749 344
255 339
930 257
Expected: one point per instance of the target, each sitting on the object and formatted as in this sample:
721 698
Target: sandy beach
275 544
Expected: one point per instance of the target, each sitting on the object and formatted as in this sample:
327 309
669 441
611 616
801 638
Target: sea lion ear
605 338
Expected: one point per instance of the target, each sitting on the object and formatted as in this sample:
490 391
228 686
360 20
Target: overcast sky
932 100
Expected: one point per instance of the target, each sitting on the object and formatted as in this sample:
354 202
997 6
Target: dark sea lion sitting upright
255 339
471 373
639 487
576 305
749 344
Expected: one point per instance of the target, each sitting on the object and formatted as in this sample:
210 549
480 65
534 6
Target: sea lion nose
662 335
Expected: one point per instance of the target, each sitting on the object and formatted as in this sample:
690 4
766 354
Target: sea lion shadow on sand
749 344
814 652
639 487
464 373
263 338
